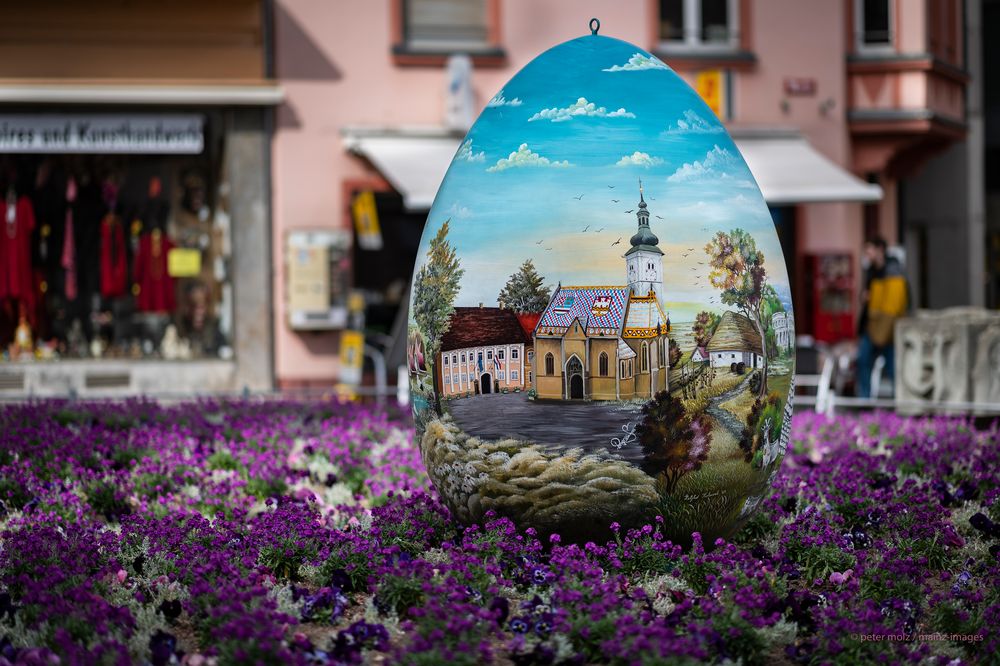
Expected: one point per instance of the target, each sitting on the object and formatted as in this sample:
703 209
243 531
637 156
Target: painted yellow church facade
607 342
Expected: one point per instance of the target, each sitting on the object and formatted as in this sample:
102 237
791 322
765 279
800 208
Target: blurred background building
277 159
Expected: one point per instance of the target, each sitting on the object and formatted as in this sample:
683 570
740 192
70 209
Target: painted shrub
602 307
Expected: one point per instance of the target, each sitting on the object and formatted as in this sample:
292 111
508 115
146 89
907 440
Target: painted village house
484 351
607 342
735 341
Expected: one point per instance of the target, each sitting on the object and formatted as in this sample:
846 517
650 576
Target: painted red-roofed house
484 351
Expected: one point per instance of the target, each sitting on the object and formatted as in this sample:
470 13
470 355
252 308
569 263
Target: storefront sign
101 133
799 86
183 262
710 85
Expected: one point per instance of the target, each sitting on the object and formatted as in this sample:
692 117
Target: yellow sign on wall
711 86
352 355
183 262
366 221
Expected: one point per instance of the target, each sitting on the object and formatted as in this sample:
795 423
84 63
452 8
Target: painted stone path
725 417
589 425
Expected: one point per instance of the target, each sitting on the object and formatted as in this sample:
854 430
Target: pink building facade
863 92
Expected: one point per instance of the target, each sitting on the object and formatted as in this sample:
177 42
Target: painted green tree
737 270
525 290
704 327
673 443
434 290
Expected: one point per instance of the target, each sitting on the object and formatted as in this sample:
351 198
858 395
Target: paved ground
723 416
590 425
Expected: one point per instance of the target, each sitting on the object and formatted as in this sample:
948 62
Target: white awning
787 168
251 94
790 171
413 161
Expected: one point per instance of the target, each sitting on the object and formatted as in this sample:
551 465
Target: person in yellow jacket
884 300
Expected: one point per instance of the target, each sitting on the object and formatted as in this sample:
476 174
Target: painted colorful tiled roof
644 315
479 327
601 310
624 351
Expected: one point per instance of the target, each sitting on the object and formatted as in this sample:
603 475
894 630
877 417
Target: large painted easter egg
600 325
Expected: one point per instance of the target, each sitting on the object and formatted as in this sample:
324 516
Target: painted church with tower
607 342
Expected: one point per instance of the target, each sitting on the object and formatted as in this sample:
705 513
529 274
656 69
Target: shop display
603 308
85 259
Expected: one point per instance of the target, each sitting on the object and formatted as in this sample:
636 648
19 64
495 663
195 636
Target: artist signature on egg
703 496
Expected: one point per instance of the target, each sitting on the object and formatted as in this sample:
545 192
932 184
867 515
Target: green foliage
704 327
674 353
673 443
399 592
434 290
818 561
105 499
763 412
223 460
525 290
286 557
263 488
14 492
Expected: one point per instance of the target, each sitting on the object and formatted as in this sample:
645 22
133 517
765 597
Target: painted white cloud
692 123
638 63
639 159
716 164
579 109
458 211
466 153
525 157
500 100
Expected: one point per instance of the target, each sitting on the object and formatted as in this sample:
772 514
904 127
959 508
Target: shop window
550 364
699 24
873 19
129 254
427 31
602 364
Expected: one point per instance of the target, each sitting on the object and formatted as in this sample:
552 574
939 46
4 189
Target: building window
687 24
489 355
447 379
465 378
463 358
513 375
602 365
454 358
513 353
529 377
630 368
732 356
550 364
645 357
500 354
873 19
501 374
446 359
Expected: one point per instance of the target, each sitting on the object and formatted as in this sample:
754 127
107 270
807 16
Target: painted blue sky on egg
551 169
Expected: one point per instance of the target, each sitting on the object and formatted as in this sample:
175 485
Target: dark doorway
574 370
486 384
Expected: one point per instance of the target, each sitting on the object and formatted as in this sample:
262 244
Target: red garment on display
16 279
156 287
114 264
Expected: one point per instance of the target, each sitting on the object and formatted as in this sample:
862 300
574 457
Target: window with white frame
513 375
447 379
873 24
465 378
454 358
500 354
446 359
489 354
699 24
445 25
463 358
513 353
500 373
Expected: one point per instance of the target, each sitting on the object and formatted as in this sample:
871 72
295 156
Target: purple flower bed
290 533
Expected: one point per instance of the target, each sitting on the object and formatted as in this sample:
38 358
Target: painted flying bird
685 254
539 242
701 263
585 229
629 211
616 242
599 230
690 249
615 201
658 217
579 197
611 187
548 248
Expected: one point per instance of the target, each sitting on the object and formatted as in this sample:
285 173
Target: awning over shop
790 171
413 161
265 93
787 168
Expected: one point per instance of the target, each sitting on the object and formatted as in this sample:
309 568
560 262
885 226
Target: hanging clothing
114 263
68 257
16 280
156 287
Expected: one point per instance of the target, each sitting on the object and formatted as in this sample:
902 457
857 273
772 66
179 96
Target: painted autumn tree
738 272
434 291
672 443
704 326
525 291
